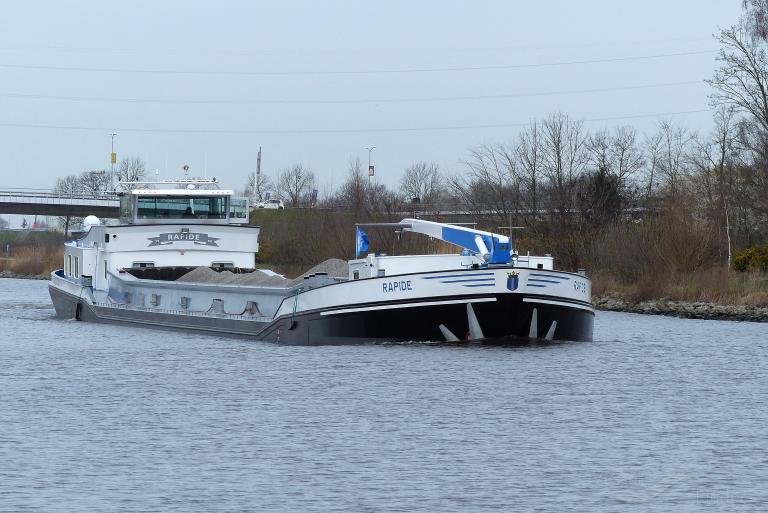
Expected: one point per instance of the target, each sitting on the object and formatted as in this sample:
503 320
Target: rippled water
657 414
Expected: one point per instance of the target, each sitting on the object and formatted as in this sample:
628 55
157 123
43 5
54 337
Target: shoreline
682 309
611 303
17 276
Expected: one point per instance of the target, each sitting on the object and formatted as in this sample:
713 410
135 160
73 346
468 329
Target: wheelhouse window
238 210
182 207
126 207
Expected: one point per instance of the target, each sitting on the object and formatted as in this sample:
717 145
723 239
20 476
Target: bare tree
674 152
488 184
295 184
69 185
422 181
530 155
715 160
598 148
88 183
352 193
627 156
131 169
380 199
757 17
257 189
741 80
652 147
616 154
564 159
94 183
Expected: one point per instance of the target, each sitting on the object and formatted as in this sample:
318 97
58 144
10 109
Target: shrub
754 258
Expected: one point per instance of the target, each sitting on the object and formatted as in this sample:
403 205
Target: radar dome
91 221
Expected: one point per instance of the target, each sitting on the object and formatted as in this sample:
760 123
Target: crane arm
492 247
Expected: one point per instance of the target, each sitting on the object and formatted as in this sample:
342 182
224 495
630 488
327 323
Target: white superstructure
184 223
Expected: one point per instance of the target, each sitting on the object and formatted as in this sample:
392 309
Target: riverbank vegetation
663 257
30 253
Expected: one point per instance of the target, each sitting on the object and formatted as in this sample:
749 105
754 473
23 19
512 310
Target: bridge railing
48 194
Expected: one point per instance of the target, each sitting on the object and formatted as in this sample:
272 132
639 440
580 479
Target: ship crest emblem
513 280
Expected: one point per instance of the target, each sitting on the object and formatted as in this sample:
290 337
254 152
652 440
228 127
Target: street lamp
370 167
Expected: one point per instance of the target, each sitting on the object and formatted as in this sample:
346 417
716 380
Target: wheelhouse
191 205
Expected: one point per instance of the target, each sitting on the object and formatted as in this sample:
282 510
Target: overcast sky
315 82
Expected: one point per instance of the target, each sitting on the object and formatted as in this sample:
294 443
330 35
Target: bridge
47 203
107 205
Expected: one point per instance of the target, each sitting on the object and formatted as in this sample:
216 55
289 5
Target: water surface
658 414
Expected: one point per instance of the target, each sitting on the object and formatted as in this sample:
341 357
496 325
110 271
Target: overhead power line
331 130
315 50
221 101
352 71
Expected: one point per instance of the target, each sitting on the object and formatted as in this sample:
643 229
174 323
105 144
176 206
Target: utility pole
370 167
257 182
113 161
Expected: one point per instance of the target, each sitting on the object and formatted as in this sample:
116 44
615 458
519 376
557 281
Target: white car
273 203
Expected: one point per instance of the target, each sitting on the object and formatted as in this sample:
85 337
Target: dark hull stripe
445 298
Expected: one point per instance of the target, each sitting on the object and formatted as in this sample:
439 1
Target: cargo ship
183 256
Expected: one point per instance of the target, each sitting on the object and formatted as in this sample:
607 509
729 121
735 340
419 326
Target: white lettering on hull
199 239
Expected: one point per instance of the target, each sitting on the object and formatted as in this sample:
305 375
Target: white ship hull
397 308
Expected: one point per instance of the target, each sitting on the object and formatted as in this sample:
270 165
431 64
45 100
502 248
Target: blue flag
361 241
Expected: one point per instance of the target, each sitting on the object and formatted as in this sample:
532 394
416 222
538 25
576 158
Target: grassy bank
715 285
31 253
